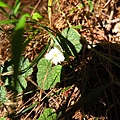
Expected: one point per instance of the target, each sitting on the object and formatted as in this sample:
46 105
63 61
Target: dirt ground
100 27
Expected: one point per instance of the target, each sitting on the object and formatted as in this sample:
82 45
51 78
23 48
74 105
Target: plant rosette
55 56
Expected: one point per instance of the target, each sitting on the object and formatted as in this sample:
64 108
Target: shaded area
95 67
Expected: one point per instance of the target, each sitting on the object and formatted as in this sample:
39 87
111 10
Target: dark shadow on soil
98 71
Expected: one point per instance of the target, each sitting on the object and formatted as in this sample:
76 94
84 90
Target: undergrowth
63 64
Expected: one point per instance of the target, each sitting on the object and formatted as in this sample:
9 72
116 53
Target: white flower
55 55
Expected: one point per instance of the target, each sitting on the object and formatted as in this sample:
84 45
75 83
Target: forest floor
100 30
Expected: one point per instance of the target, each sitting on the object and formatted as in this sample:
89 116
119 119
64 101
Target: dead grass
95 67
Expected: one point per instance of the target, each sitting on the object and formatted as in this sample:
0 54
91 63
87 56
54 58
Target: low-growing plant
51 63
15 71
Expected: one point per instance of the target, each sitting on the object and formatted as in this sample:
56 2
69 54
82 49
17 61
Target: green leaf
48 114
72 10
17 46
22 83
80 6
3 22
36 16
77 27
90 3
40 55
3 94
47 76
6 67
2 118
30 107
21 23
73 36
2 4
62 42
24 62
17 5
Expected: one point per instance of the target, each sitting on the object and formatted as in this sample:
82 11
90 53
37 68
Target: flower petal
55 55
48 56
55 61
